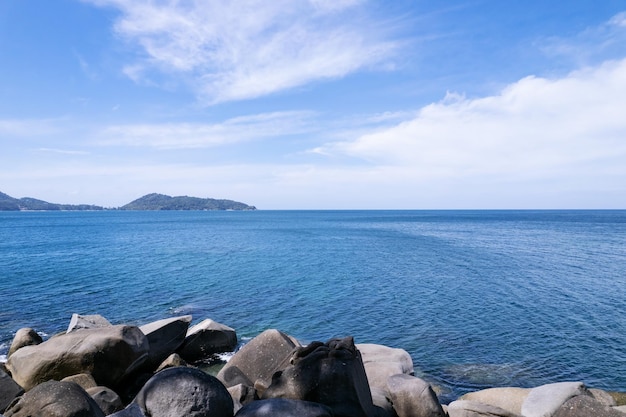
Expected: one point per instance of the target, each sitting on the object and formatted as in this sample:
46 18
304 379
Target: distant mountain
147 202
165 202
8 203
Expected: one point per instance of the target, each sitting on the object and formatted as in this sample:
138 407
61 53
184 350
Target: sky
316 104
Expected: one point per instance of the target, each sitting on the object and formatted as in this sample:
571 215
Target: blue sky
316 104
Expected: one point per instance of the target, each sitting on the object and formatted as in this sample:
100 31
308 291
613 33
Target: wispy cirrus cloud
203 135
239 50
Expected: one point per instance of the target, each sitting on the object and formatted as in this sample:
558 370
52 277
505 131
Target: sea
479 299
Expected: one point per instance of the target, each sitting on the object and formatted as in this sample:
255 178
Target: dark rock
165 336
258 360
55 399
108 354
93 321
9 390
413 397
184 392
242 395
283 407
24 337
206 338
329 373
108 401
586 406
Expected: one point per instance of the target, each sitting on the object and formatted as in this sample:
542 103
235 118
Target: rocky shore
96 368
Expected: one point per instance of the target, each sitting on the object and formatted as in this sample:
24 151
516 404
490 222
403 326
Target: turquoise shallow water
478 298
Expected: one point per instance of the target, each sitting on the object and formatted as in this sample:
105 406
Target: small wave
3 358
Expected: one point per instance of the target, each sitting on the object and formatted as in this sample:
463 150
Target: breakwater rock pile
96 368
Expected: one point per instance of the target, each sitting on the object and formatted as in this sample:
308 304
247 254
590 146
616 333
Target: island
152 201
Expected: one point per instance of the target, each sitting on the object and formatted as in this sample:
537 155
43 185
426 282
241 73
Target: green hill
165 202
8 203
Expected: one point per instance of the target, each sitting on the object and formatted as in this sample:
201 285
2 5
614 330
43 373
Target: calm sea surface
478 298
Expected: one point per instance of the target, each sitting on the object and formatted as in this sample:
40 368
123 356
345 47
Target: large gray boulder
55 399
24 337
506 398
108 354
413 397
329 373
283 407
255 363
465 408
165 336
184 392
206 338
381 362
543 401
586 406
9 390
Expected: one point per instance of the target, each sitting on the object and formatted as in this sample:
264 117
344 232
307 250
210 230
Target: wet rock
184 392
206 338
108 354
413 397
55 399
283 407
329 373
258 360
24 337
165 336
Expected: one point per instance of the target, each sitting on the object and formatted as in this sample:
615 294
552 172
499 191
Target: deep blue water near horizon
478 298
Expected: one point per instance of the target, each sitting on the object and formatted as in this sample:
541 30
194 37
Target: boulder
9 390
543 401
380 398
381 362
465 408
184 392
165 336
206 338
586 406
603 396
329 373
242 394
55 399
283 407
506 398
257 360
85 381
108 401
108 354
24 337
171 361
93 321
413 397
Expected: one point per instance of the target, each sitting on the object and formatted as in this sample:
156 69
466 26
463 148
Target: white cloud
535 128
239 50
202 135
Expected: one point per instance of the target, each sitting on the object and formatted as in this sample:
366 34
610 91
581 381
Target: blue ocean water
478 298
